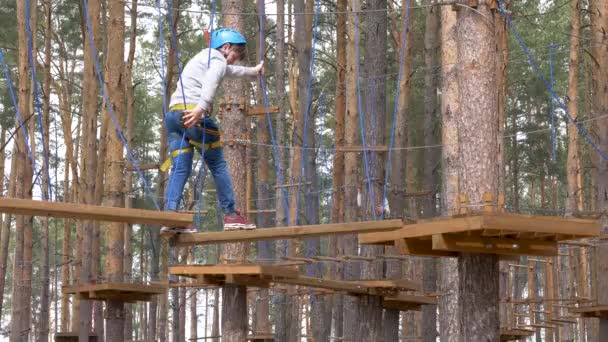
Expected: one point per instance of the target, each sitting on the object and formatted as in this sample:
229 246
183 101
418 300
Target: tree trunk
21 290
234 314
45 291
351 178
88 164
262 321
130 109
599 27
114 195
478 129
337 213
431 161
6 226
449 329
370 307
572 169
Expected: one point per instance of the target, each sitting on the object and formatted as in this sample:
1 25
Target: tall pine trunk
478 284
45 291
449 329
431 161
115 162
337 212
21 288
572 166
234 301
374 117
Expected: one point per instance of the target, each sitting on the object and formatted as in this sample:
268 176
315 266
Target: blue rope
372 112
179 71
109 106
392 142
553 46
19 118
547 85
308 105
275 151
36 100
370 188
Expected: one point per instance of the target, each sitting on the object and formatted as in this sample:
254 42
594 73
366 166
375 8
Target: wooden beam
92 212
143 167
542 224
421 248
236 269
405 302
472 244
261 110
285 232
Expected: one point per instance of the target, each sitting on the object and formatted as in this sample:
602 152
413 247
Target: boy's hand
191 117
259 69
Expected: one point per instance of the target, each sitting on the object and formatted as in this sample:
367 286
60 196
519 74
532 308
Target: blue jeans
182 163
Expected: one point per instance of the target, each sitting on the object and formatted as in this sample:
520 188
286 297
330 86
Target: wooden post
549 295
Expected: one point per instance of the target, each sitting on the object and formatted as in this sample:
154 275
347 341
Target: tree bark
114 195
572 166
234 309
337 214
478 129
449 329
43 321
21 290
431 160
6 226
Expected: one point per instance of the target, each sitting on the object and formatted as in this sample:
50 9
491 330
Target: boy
188 129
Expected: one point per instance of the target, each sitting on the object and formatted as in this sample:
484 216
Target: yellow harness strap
167 164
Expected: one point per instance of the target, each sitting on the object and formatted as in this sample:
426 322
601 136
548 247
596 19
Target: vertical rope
308 105
392 140
370 189
36 100
557 99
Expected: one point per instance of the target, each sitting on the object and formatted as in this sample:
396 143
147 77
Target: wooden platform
592 311
241 274
261 338
125 292
514 334
72 337
92 212
493 233
286 232
356 287
405 302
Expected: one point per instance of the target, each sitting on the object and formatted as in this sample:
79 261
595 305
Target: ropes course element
110 109
308 105
370 188
553 148
557 99
275 152
19 117
37 101
392 140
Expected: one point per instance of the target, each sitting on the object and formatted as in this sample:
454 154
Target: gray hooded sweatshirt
201 82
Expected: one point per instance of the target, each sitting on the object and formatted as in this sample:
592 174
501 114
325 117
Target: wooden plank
236 269
124 287
329 284
472 244
92 212
421 248
591 311
261 110
542 224
131 167
404 302
286 232
402 284
422 229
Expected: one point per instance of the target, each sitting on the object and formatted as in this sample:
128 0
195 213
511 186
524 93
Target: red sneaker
235 220
186 229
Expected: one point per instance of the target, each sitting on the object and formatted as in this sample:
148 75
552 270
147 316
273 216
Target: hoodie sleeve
239 71
211 80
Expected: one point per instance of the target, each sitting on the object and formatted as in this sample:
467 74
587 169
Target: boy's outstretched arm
241 71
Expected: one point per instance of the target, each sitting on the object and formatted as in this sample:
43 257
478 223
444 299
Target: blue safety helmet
226 35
